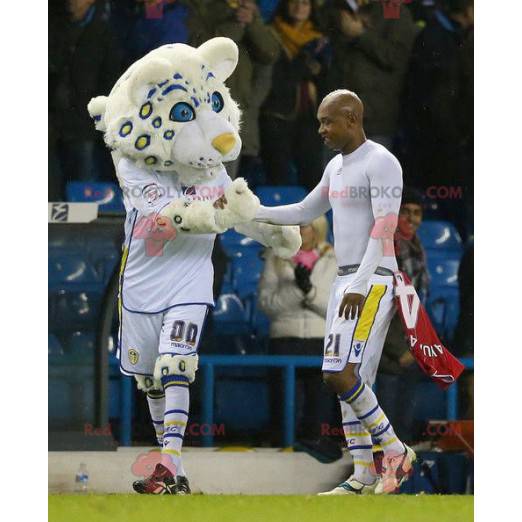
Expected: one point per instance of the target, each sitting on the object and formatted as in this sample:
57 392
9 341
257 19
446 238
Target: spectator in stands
288 116
398 373
159 22
463 345
370 57
258 50
294 294
464 340
439 100
84 61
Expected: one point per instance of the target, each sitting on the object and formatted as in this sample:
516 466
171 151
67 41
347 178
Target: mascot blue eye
217 101
182 112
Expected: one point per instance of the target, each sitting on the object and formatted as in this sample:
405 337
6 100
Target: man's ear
352 116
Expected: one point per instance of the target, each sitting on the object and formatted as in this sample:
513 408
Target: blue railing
287 363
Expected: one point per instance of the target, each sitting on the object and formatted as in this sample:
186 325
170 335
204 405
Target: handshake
236 208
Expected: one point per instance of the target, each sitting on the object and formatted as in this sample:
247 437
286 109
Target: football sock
156 401
359 443
175 420
364 403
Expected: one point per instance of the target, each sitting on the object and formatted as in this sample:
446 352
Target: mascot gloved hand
284 240
201 217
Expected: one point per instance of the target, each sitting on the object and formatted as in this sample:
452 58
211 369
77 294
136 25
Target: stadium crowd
412 67
410 61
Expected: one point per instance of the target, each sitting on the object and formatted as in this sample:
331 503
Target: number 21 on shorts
332 345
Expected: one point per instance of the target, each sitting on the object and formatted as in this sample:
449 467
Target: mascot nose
224 143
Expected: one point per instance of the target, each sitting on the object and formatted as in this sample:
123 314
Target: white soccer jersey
159 273
363 188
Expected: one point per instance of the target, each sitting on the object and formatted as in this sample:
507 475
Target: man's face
410 217
335 127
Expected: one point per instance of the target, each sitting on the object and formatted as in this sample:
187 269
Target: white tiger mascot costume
170 123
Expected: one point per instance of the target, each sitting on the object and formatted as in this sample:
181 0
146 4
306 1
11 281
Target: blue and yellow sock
156 402
364 403
359 443
175 418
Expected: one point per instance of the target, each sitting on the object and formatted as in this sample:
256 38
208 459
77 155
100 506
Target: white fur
285 241
200 217
193 76
185 365
147 384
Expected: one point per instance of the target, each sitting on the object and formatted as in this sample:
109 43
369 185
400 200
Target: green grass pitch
232 508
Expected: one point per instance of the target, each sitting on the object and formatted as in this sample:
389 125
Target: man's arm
385 174
304 212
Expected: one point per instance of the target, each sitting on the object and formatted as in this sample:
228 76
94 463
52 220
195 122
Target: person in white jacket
294 294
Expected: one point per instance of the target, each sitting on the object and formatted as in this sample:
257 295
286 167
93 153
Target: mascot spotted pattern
170 124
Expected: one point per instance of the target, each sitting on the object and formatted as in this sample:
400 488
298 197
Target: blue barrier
288 364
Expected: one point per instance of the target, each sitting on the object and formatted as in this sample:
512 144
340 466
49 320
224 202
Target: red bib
431 355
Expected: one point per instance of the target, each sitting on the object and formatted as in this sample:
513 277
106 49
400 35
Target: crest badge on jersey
134 356
151 193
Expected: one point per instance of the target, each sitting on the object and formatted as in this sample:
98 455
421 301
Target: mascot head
171 111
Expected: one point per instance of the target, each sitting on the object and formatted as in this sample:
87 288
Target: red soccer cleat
161 482
395 471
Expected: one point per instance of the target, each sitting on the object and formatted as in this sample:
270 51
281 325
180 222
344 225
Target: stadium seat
82 344
76 310
233 242
230 316
259 321
443 307
439 235
443 269
430 401
104 261
54 346
280 195
107 195
242 402
71 269
246 272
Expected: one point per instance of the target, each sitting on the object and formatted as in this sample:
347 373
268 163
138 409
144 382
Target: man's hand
351 306
351 25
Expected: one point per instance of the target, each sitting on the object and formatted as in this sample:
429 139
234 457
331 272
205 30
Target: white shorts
359 340
145 336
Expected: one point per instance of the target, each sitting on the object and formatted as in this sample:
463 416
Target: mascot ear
150 73
221 54
96 108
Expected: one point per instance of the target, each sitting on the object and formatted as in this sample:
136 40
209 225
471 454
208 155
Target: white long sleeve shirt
364 191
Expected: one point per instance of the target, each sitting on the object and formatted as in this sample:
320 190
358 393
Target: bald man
363 187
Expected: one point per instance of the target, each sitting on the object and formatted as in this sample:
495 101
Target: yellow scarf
292 38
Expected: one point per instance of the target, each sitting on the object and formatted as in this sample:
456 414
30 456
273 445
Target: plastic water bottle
82 479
